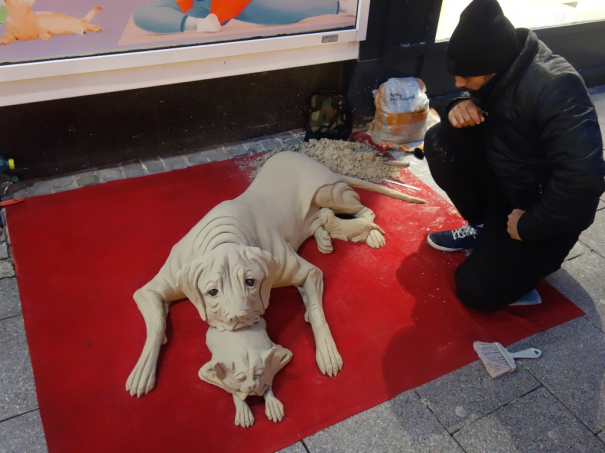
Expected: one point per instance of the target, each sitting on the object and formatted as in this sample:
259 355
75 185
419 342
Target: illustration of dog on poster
23 24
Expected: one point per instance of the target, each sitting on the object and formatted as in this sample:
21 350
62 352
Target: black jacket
543 142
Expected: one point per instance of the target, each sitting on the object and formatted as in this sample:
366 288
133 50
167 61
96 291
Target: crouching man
520 156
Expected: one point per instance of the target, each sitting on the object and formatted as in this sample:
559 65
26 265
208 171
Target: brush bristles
495 363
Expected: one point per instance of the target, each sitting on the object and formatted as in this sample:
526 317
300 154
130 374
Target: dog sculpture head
230 285
244 362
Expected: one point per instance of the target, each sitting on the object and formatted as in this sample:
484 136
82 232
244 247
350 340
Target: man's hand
513 220
466 113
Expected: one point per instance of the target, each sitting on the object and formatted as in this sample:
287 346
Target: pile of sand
347 158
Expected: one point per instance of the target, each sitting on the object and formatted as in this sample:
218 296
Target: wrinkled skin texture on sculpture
255 237
244 363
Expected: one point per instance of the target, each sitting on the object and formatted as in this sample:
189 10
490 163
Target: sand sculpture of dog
228 263
23 24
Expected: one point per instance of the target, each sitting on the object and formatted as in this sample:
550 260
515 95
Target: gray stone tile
87 179
254 147
23 434
295 448
237 151
602 436
3 250
216 155
22 193
16 377
460 397
2 235
40 188
10 302
601 205
197 158
402 424
535 422
581 280
271 144
110 174
6 269
291 141
133 170
64 183
175 163
572 368
594 237
577 250
154 166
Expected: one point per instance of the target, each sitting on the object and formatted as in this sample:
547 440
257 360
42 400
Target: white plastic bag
402 109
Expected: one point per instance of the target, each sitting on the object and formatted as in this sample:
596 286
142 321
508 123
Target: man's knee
433 141
474 292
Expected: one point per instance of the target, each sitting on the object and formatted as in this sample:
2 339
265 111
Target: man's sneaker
531 298
457 240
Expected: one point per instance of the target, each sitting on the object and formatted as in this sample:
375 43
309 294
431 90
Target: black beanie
484 42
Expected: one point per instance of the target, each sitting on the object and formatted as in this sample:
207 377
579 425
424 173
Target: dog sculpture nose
240 316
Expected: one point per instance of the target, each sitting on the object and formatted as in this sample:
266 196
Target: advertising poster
34 30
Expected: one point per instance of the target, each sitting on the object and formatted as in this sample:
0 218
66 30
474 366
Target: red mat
80 255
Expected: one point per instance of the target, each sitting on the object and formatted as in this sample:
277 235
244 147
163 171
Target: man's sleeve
571 141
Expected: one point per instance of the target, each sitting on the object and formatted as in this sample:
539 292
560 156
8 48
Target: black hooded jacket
543 142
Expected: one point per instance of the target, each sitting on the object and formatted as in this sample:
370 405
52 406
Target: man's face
473 83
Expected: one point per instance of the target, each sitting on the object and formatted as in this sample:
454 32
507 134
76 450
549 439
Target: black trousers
500 270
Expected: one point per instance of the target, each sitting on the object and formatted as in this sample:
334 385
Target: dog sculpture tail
91 14
361 184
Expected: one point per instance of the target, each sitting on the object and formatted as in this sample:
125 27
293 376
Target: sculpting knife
400 184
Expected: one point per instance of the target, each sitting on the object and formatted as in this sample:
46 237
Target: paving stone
216 155
10 302
110 174
402 424
292 141
2 235
16 378
133 170
601 205
40 188
594 237
572 368
577 250
154 166
6 269
581 280
602 436
272 144
3 250
87 179
175 163
460 397
64 183
23 434
535 422
197 158
255 147
296 448
237 151
22 193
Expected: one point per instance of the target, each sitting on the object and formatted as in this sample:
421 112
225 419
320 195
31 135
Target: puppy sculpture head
244 362
230 285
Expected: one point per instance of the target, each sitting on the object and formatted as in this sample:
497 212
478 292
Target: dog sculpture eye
213 292
250 282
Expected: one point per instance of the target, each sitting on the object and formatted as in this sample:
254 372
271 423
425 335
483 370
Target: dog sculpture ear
213 373
269 265
188 278
274 360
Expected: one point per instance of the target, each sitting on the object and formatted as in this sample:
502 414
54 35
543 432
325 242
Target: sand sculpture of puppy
23 24
244 362
228 263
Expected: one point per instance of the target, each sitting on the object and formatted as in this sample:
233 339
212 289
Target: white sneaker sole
443 249
521 304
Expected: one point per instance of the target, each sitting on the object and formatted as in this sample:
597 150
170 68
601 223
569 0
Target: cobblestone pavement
554 404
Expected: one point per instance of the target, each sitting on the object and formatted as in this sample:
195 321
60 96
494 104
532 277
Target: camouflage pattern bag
328 115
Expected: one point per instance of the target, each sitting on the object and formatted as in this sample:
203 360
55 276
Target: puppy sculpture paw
243 415
324 241
142 378
273 408
375 239
327 356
